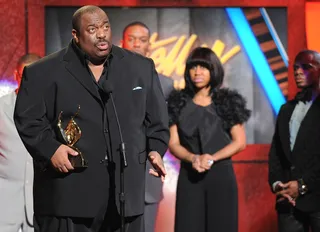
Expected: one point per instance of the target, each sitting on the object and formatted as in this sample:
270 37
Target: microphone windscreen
107 87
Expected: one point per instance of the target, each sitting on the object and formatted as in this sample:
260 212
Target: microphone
108 89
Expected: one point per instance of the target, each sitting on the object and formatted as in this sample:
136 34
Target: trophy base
78 162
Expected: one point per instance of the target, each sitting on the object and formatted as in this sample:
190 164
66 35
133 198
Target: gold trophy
71 135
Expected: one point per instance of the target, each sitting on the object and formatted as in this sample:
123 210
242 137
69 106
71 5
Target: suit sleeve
312 176
275 167
156 116
30 118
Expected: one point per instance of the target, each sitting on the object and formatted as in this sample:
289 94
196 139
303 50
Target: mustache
102 41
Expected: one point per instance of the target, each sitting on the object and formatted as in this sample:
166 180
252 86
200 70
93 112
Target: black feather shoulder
231 107
176 101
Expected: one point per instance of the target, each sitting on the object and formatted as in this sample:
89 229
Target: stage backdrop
175 32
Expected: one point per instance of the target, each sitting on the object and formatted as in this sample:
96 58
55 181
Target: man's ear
149 50
75 35
121 43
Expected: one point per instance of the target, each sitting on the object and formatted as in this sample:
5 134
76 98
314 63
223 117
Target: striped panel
269 47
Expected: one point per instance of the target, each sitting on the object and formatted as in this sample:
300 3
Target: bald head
76 18
22 62
307 69
27 59
311 54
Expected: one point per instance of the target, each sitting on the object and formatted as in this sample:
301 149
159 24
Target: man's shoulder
286 107
49 60
288 104
133 56
165 79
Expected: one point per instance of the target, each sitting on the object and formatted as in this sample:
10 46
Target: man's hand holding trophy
67 157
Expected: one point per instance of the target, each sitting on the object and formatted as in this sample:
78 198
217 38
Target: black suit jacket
60 82
154 184
304 160
166 85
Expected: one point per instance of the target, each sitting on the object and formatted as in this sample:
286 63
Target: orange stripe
259 29
285 92
283 85
273 59
252 13
266 46
279 64
281 75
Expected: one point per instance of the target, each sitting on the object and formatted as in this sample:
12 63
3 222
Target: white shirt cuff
275 184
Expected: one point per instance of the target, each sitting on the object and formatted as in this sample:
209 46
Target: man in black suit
136 36
294 158
73 80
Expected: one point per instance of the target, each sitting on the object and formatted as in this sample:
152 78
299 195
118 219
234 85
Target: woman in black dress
206 129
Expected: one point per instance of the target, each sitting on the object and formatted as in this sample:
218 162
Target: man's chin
103 53
301 86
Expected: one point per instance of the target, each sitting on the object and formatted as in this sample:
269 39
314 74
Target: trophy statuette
71 135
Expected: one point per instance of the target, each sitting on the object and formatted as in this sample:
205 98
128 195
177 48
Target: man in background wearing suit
16 165
74 84
136 36
294 158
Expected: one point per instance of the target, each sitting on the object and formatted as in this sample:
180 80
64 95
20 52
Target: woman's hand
206 161
196 164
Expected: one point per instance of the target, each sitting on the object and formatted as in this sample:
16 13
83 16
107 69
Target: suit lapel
306 124
80 72
116 70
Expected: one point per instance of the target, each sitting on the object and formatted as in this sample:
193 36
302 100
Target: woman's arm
175 147
238 135
238 144
181 152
